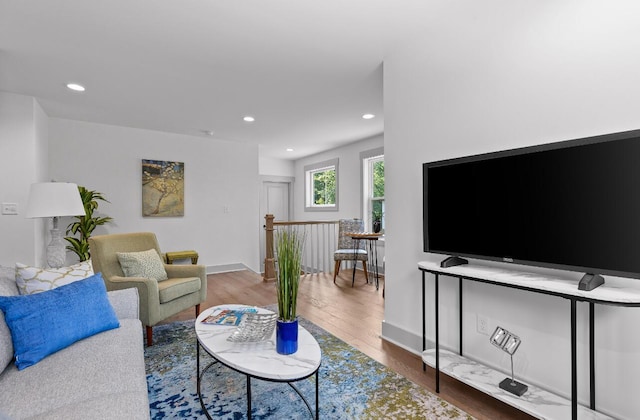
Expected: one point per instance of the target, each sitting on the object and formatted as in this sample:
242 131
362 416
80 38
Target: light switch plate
9 208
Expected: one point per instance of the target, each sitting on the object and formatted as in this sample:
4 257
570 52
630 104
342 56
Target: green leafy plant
376 218
289 245
85 225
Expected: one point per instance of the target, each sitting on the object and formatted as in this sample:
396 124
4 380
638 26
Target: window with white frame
373 190
321 186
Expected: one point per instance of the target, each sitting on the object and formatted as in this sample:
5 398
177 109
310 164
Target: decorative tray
254 327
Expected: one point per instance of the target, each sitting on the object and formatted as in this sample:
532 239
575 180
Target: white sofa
100 377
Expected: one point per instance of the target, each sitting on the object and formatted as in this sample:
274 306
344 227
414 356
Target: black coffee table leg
248 397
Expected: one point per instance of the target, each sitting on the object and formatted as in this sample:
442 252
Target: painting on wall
162 188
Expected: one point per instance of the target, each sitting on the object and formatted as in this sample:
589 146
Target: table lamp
54 199
508 343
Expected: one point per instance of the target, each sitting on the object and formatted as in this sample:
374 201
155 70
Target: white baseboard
402 338
226 268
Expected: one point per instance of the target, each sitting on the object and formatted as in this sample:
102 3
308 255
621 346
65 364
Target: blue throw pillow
43 323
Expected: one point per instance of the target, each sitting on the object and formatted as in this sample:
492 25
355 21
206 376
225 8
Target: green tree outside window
377 198
324 187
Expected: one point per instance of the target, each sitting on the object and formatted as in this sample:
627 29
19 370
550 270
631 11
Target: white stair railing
321 238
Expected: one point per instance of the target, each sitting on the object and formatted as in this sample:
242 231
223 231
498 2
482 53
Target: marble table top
608 293
258 359
536 401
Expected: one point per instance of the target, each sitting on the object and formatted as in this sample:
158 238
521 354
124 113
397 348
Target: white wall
275 167
23 127
218 174
492 75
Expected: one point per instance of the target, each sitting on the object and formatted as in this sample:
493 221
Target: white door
275 200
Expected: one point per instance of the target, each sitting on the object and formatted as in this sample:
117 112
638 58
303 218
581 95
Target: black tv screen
572 205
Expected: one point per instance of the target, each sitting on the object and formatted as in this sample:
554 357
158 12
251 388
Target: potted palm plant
289 245
85 224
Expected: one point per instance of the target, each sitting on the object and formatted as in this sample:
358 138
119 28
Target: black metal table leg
199 380
437 340
375 266
356 246
370 260
460 308
574 364
424 339
317 397
248 397
592 362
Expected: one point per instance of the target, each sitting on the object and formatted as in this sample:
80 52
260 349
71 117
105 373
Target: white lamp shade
53 199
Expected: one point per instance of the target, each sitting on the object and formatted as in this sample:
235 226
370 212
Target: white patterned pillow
146 264
32 280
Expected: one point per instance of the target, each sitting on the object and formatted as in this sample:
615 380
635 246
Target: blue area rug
352 385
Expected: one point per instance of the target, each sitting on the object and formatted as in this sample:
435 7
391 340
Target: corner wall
492 75
23 147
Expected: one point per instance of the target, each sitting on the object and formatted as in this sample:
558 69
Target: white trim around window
367 158
309 193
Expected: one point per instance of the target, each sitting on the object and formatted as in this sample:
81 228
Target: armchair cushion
174 288
349 254
142 264
43 323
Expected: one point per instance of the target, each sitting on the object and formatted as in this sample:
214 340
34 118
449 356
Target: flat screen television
572 205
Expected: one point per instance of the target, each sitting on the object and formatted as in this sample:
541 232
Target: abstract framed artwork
162 188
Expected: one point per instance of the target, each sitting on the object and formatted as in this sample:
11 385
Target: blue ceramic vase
286 336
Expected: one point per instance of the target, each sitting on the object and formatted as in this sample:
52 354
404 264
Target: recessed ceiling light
76 87
368 116
208 132
249 118
289 149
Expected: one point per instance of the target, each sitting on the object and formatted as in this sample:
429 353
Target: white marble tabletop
607 293
258 359
536 401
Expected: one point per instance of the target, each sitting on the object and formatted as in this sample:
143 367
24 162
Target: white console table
459 367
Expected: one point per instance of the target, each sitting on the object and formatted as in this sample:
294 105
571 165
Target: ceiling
305 70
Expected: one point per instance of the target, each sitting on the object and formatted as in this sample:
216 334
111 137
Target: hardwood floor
354 315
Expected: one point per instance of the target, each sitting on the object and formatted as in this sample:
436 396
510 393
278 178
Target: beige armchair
185 287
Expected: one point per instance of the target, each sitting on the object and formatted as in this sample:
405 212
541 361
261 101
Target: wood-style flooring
354 315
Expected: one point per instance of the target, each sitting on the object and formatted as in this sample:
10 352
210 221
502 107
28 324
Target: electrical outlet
9 208
482 324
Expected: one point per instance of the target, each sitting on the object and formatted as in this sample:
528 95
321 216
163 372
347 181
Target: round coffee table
257 360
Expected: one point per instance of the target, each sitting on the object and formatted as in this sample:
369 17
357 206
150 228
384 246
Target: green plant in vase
85 225
376 218
289 247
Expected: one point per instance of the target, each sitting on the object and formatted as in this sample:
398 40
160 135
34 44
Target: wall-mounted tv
572 205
